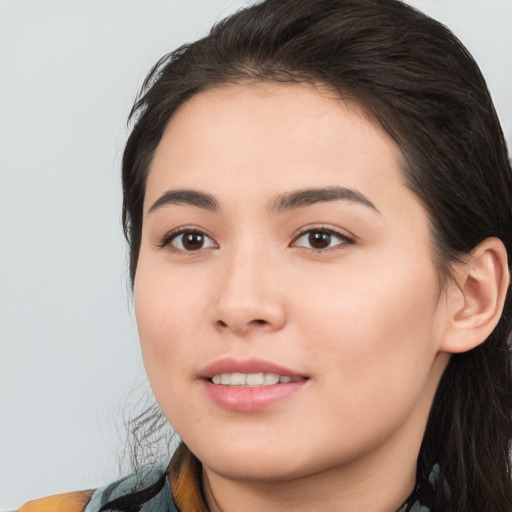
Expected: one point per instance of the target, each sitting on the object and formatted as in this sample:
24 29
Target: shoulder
69 502
145 491
148 490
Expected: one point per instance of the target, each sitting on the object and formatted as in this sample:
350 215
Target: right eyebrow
186 197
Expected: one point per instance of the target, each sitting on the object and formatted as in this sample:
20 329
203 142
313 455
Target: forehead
270 135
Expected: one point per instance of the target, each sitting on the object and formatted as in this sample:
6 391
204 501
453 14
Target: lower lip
247 399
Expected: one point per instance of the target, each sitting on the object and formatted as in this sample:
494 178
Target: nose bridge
247 297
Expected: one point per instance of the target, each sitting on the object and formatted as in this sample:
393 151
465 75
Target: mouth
249 373
252 380
249 385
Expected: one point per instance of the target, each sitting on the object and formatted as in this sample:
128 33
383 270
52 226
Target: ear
476 297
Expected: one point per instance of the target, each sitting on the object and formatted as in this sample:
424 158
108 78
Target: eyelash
167 240
345 240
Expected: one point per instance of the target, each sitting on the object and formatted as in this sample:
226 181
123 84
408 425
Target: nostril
233 325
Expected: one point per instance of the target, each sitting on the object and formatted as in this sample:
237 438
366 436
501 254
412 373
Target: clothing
150 491
146 491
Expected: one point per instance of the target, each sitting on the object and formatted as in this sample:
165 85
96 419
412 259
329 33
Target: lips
250 366
249 385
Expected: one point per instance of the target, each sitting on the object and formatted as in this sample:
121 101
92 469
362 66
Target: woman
318 203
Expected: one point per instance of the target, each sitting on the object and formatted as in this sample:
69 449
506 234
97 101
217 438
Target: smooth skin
342 291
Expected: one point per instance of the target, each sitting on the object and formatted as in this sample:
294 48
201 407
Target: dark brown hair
410 75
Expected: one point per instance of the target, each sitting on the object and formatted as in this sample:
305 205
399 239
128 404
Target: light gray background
69 356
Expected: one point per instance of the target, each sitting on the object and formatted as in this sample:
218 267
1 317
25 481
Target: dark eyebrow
308 197
187 197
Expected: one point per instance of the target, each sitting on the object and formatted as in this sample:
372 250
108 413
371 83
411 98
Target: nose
248 298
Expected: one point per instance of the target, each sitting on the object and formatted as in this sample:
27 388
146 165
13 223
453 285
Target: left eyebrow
308 197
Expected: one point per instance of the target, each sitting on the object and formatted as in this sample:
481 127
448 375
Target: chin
261 469
264 462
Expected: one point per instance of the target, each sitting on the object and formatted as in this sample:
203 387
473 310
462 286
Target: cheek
375 339
378 323
169 311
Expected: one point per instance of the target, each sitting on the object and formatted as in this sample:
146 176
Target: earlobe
480 286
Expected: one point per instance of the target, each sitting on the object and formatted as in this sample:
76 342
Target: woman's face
289 310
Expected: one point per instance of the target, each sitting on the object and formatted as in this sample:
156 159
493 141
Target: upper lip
231 365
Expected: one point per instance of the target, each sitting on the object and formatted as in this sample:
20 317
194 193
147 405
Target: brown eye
321 239
191 241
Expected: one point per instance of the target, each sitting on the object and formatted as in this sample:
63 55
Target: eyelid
346 239
166 240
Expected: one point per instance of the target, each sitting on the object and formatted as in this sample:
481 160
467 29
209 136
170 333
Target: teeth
270 378
250 379
237 379
254 379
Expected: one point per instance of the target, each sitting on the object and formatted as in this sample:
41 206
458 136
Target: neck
381 484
